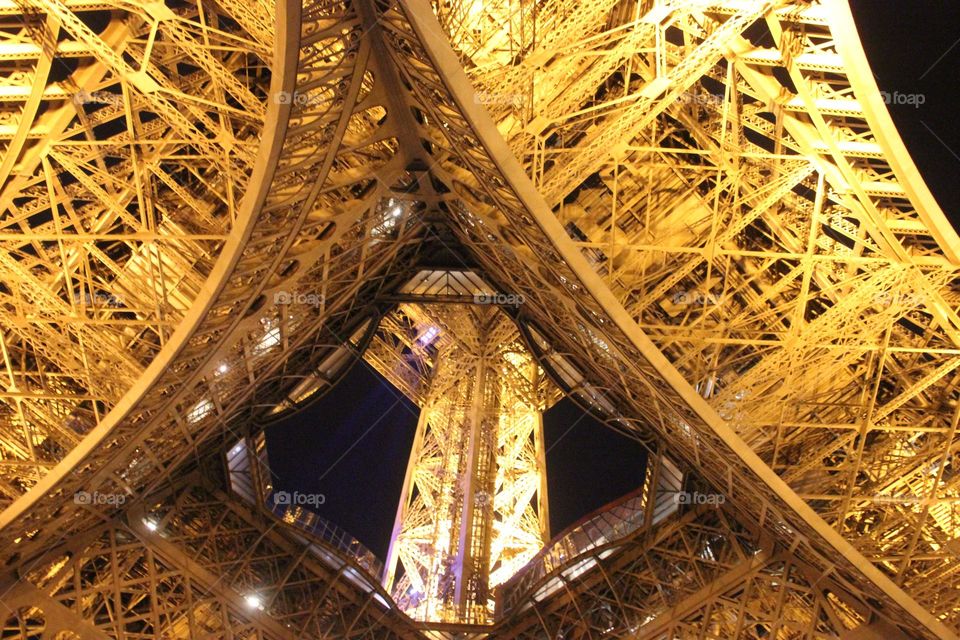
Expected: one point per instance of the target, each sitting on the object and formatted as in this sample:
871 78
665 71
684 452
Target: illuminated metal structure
720 241
474 504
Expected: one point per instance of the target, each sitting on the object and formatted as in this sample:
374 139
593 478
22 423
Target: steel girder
632 370
128 133
753 271
186 563
298 268
473 507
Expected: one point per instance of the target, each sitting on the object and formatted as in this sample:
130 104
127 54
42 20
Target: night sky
913 48
353 445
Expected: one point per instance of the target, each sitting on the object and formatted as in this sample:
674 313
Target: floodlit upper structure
473 505
697 217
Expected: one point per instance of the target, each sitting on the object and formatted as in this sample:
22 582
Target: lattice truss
473 506
127 135
315 236
716 168
718 237
697 575
188 563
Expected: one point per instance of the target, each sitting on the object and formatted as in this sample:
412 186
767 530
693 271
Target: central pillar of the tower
473 508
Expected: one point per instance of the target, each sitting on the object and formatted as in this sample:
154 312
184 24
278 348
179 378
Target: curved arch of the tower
713 235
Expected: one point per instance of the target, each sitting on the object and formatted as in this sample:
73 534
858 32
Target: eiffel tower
693 217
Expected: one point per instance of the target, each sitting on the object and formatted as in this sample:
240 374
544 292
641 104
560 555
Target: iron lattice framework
473 506
720 241
172 568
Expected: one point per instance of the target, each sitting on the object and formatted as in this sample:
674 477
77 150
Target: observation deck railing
248 483
654 501
610 523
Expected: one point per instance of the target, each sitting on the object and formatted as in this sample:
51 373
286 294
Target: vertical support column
473 546
543 508
390 568
473 507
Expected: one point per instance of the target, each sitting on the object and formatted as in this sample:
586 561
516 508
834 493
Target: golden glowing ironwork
473 507
722 247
